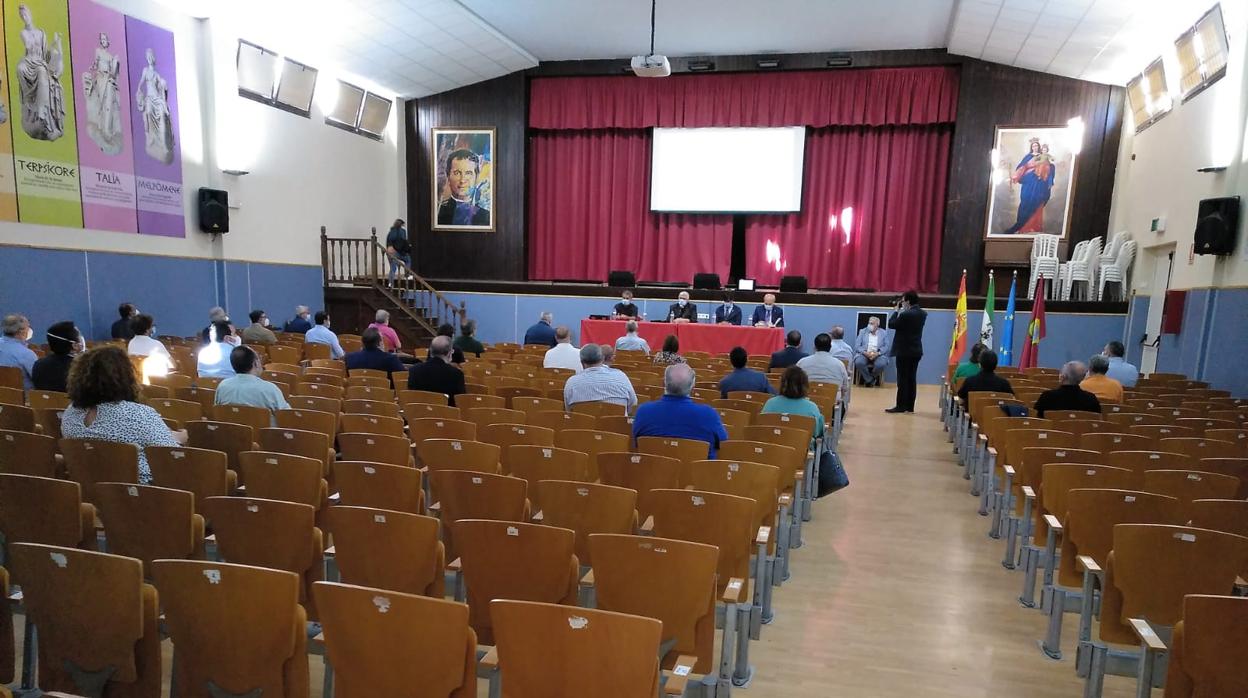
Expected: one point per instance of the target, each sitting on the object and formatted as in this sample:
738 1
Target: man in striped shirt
597 381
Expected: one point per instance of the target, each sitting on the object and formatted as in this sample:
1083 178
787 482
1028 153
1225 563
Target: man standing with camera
907 323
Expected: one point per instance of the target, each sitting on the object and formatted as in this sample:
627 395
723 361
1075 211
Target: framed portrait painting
1033 173
463 179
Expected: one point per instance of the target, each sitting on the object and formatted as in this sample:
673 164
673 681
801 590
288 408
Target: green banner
41 105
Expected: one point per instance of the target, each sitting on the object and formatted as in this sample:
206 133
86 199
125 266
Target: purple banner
105 139
157 145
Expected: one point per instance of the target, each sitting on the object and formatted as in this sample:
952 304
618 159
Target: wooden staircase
356 282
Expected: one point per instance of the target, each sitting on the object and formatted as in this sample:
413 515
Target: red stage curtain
891 182
589 213
868 97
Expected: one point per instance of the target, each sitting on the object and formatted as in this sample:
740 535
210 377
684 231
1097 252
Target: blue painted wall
503 317
1215 327
87 287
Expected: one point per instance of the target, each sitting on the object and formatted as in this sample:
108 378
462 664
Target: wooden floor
898 591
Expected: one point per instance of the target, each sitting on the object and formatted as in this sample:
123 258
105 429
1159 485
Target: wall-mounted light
701 66
767 63
839 62
1211 168
1074 135
236 173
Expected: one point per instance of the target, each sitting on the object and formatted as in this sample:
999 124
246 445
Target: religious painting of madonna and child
1030 190
463 179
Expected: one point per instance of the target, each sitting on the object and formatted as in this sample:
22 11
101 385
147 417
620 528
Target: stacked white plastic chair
1117 271
1081 267
1044 262
1110 253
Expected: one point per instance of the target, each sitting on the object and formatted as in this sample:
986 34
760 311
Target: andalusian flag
958 347
985 329
1006 352
1035 330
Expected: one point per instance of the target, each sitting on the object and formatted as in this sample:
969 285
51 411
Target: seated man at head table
790 354
625 309
768 314
841 348
677 416
742 377
682 310
871 352
729 313
1068 395
631 341
597 381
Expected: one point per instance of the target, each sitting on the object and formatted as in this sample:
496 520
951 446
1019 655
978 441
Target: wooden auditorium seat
640 472
379 486
1208 648
28 453
389 550
286 478
463 494
534 463
237 630
150 523
97 620
231 439
459 454
372 424
200 471
395 450
89 461
586 509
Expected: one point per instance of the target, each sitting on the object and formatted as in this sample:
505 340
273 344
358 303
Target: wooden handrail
365 262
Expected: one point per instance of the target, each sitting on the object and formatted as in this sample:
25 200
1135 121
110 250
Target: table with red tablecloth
714 339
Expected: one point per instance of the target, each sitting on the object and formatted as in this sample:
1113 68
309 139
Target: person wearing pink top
389 338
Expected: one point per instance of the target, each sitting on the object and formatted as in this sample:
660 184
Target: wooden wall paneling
501 104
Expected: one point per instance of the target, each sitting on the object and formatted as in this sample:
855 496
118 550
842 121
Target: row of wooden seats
1136 511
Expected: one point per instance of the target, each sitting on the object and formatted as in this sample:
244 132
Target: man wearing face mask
321 334
728 313
682 310
300 322
258 331
768 314
626 309
13 349
214 358
52 371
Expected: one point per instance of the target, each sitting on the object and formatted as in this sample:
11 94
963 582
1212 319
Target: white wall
304 173
1157 172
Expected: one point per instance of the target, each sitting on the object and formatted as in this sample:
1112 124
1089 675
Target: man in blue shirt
791 353
542 332
677 416
246 387
372 356
13 349
321 334
743 378
1119 369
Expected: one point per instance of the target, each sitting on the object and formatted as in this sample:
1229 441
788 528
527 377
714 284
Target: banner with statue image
41 110
8 187
154 127
102 94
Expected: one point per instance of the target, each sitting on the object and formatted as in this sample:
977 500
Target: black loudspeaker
710 281
214 210
793 284
621 278
1217 223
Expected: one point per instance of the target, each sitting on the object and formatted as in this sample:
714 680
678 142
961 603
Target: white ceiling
415 48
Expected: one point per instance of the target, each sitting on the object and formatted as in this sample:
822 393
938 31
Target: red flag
1035 330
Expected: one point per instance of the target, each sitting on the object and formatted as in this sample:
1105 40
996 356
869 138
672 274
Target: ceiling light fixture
768 63
701 66
839 62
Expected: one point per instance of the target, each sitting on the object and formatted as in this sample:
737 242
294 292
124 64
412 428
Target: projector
651 66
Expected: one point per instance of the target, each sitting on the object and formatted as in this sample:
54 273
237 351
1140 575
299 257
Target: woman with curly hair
103 395
670 353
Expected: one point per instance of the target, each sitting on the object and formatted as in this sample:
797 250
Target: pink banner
105 139
157 144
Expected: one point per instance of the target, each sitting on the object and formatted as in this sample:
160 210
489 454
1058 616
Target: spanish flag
958 347
1035 330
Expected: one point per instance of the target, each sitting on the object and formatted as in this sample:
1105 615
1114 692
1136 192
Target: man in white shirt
320 334
214 358
841 348
563 354
631 341
157 361
597 381
823 367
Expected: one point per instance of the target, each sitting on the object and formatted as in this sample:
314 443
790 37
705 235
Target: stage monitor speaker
793 284
214 210
1217 222
621 278
704 281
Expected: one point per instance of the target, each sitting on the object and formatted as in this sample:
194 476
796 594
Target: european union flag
1006 354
